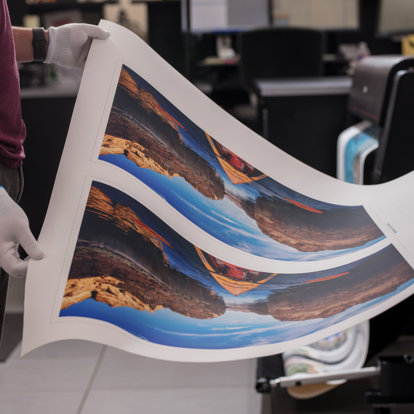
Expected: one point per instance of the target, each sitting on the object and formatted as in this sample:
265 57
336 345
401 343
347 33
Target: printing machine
381 101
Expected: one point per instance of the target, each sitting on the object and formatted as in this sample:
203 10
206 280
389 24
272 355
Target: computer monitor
221 16
395 17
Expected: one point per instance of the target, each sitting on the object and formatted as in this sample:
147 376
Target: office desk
304 117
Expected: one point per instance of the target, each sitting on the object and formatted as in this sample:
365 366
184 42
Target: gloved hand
14 230
69 44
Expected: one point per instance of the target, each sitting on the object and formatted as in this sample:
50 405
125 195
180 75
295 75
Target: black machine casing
382 92
395 154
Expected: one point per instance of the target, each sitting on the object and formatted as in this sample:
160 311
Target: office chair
275 52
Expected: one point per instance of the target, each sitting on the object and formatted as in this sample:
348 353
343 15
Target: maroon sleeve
12 128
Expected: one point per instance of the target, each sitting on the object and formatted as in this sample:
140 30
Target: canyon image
372 278
310 231
120 261
140 129
149 136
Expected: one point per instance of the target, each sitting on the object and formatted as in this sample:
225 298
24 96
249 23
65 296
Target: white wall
316 13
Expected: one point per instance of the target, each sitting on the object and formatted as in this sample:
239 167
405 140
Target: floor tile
121 370
226 400
54 368
43 375
63 402
61 349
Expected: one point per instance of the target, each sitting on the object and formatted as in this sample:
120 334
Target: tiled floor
75 377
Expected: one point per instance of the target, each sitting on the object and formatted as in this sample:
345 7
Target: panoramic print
133 271
217 190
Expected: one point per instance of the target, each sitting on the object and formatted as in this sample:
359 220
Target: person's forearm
23 38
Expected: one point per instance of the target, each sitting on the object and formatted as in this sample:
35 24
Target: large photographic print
131 270
220 192
175 232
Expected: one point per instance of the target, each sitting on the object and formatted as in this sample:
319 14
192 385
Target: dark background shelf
66 5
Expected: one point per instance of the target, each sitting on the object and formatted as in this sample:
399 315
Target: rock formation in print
120 261
311 230
149 136
372 278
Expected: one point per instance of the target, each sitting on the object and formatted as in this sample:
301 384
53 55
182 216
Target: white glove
14 230
69 44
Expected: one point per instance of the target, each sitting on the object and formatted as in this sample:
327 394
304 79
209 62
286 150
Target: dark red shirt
12 128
